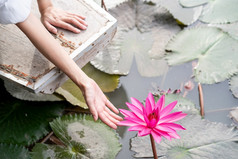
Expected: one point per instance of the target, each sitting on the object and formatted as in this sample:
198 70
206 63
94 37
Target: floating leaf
215 11
81 136
23 94
202 139
25 122
234 85
231 29
185 15
143 32
193 3
216 51
73 94
44 151
234 115
9 151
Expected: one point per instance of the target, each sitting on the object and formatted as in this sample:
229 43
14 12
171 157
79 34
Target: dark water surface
218 100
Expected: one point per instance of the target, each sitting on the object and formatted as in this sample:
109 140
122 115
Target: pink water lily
154 118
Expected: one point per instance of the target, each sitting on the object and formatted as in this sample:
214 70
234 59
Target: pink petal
156 136
173 126
148 106
137 103
127 113
137 128
127 123
145 116
152 101
172 117
160 103
162 133
164 128
167 109
135 110
174 135
144 132
135 120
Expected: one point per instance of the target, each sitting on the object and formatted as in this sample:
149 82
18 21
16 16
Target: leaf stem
47 137
153 147
201 99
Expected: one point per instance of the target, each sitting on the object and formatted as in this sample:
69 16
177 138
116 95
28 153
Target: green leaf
184 105
10 151
81 136
73 94
233 82
26 122
23 94
140 30
216 51
44 151
214 11
185 15
202 139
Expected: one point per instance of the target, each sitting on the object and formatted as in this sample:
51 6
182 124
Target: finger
107 121
112 107
50 27
111 118
76 23
93 112
66 26
79 16
81 21
113 115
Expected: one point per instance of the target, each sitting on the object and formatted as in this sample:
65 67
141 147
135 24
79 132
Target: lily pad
204 139
143 32
82 137
24 122
73 94
234 85
234 115
186 15
10 151
215 11
23 94
216 51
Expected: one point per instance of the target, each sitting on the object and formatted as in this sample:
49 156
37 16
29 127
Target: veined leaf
23 94
215 11
83 138
10 151
186 15
143 32
216 51
201 139
26 122
73 94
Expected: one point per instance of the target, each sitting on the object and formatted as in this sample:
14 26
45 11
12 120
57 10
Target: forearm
43 4
51 49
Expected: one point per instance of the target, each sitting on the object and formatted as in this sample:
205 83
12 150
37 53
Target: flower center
153 120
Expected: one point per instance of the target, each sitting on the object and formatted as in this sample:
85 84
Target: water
218 100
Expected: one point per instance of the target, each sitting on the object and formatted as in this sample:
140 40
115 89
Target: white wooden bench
22 63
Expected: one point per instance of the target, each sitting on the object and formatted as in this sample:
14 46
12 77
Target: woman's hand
53 17
99 105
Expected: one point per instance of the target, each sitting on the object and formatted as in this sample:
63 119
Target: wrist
43 5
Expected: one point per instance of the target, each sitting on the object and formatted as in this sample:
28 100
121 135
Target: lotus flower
153 119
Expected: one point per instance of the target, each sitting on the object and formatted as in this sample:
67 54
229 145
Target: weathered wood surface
21 62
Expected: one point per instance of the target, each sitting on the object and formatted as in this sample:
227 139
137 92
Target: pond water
218 100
